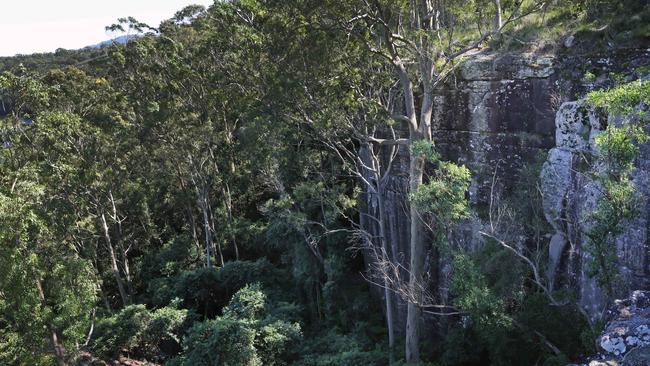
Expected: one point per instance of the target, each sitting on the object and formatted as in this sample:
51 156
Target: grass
595 24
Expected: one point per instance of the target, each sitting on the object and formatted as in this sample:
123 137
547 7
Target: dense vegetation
192 197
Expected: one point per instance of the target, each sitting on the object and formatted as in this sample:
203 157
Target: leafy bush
248 303
334 349
206 290
505 326
199 290
220 341
347 358
562 326
169 260
245 335
140 332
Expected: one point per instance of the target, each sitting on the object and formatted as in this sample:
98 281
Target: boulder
625 341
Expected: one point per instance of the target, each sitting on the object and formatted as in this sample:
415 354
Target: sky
29 26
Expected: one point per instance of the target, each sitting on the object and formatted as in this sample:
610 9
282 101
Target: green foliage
334 349
24 92
140 332
589 336
589 77
443 196
245 335
206 290
562 326
488 322
501 321
346 358
623 99
174 170
619 202
475 297
169 260
595 24
347 305
320 267
426 149
618 147
247 303
46 287
219 342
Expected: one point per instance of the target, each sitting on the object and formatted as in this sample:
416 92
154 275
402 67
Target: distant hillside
63 57
118 40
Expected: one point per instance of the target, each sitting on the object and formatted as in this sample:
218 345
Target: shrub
140 332
207 290
245 335
346 358
336 349
219 342
199 290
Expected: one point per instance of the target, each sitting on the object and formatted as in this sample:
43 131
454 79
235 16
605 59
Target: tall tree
425 41
47 287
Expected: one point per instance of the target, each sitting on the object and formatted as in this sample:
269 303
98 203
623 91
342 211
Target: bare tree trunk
57 347
390 322
102 294
498 20
228 197
114 268
201 187
211 224
416 172
225 191
435 62
190 211
206 224
416 267
217 246
127 269
192 223
123 251
92 328
417 132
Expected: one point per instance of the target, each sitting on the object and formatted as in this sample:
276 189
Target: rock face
498 112
626 338
498 115
570 193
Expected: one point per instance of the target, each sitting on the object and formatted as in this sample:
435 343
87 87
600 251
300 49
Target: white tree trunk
390 308
498 18
417 245
206 225
416 266
114 268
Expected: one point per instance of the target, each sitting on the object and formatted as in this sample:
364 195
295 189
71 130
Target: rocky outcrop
626 338
496 112
570 193
501 114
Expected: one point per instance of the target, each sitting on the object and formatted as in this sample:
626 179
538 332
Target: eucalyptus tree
106 151
47 285
424 41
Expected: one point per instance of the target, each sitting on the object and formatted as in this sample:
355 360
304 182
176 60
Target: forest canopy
194 196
